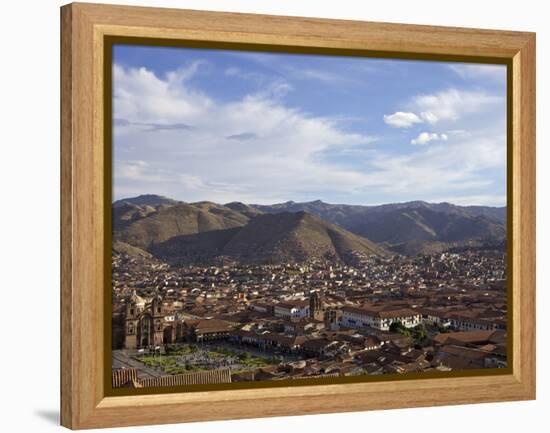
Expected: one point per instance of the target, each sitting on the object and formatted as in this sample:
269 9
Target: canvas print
296 217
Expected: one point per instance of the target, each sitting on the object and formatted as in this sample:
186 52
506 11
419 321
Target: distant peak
204 203
151 196
145 199
238 206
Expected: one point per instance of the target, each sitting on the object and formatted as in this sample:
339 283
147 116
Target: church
146 324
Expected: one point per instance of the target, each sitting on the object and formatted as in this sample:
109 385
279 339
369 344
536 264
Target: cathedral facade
145 324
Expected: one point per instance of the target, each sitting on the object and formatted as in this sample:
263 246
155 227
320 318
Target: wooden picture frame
84 29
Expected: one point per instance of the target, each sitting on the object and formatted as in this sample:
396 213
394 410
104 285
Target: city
397 314
278 217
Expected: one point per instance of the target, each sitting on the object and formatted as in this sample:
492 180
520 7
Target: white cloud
320 71
441 169
137 170
401 119
447 105
257 149
187 72
323 75
429 117
452 104
426 137
141 97
257 78
477 71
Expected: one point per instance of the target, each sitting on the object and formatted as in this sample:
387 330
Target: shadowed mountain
124 248
408 228
245 209
425 224
272 238
126 213
146 200
411 228
343 212
166 222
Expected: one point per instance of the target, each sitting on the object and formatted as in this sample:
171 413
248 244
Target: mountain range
270 238
295 232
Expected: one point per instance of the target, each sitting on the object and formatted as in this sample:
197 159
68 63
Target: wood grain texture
67 388
83 401
524 215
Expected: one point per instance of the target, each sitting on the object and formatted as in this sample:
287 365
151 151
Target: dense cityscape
280 216
179 324
285 216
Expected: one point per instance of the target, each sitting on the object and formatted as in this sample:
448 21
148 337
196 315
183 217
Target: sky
264 128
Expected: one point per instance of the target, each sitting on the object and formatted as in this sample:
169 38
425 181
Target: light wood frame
83 400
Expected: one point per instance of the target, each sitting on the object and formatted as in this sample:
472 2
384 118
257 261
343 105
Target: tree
419 334
397 326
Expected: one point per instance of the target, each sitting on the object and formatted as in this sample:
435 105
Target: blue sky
225 126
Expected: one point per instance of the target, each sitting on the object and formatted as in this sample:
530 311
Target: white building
354 317
463 323
292 310
435 317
